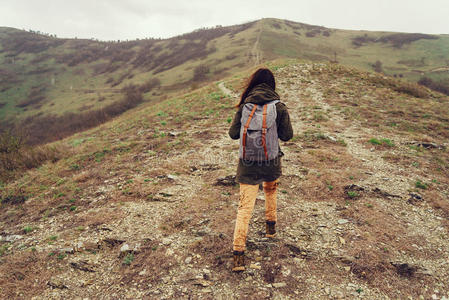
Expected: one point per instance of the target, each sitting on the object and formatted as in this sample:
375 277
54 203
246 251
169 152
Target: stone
188 260
10 238
124 248
255 266
166 241
68 250
143 272
342 221
203 283
279 284
169 252
342 240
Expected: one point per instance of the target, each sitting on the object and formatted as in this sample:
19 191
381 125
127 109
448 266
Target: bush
48 128
200 73
16 156
377 67
442 87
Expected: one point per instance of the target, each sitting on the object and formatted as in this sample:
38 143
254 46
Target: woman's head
262 75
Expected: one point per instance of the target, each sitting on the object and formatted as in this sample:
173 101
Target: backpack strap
245 129
264 131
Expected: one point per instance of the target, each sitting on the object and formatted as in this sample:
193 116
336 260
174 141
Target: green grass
352 194
128 259
27 229
421 185
381 141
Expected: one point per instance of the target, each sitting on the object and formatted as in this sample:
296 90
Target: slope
42 75
144 206
407 55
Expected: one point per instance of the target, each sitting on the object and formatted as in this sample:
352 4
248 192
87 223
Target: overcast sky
130 19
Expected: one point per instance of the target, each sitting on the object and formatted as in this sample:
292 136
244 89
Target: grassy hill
45 80
143 205
43 75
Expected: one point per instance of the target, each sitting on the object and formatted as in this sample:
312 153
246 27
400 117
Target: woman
258 94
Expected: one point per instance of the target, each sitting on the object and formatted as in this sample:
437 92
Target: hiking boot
239 261
270 229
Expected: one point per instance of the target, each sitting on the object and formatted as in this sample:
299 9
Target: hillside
144 205
43 77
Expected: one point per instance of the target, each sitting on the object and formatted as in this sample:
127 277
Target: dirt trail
181 237
255 51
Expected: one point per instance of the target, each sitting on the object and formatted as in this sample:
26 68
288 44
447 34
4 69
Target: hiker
260 120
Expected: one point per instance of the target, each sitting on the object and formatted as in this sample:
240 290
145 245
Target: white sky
130 19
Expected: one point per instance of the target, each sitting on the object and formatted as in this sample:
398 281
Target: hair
262 75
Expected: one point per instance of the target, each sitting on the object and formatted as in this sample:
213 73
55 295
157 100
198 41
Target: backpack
258 132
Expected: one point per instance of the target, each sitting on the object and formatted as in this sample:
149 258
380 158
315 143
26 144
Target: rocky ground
353 220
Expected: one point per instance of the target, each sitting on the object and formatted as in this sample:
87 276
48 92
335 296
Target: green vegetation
382 141
128 259
27 229
352 194
421 185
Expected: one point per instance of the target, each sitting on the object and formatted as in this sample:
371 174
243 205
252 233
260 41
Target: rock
203 282
171 177
166 241
169 252
342 221
279 284
414 199
342 240
327 290
112 242
82 265
188 260
69 250
226 181
206 271
255 266
347 268
10 238
124 248
385 194
91 246
56 284
143 272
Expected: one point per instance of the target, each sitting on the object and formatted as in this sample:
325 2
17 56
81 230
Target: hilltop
144 205
45 80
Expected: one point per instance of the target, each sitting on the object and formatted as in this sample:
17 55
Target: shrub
377 67
16 155
420 185
50 128
200 73
441 86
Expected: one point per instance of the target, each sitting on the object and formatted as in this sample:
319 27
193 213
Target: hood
261 94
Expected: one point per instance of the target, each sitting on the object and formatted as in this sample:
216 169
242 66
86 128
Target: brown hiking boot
239 261
270 229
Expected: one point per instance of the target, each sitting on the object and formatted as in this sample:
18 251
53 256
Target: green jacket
256 172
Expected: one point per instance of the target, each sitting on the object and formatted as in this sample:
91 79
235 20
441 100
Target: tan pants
248 195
